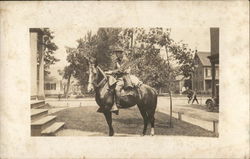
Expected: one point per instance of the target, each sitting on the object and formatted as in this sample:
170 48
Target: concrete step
41 124
33 97
53 129
36 103
44 106
38 113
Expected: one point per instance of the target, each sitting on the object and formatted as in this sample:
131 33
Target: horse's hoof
111 134
152 134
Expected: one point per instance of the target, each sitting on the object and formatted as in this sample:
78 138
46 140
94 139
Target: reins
104 77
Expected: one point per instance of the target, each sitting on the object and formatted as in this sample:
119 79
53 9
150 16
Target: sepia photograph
124 81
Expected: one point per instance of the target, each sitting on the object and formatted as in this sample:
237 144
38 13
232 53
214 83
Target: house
53 86
202 76
214 58
36 64
179 83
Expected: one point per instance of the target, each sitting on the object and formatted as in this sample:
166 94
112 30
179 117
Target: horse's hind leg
152 122
108 117
145 119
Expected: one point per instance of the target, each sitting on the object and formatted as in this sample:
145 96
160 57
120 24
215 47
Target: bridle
105 79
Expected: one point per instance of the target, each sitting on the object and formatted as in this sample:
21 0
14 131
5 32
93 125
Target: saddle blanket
135 81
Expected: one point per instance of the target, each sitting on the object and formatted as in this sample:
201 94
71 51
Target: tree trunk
68 84
169 89
171 110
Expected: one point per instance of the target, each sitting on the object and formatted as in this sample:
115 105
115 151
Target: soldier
122 74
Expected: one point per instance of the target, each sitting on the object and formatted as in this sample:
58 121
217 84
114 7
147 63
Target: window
217 72
47 86
53 86
208 72
50 86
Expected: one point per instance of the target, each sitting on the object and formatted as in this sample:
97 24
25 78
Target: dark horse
104 96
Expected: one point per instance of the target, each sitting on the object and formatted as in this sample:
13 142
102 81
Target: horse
145 97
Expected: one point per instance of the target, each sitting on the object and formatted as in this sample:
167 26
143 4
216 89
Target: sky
196 38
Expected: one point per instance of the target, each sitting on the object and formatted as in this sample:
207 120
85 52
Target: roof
50 78
203 56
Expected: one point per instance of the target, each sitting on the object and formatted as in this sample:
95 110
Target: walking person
189 95
195 97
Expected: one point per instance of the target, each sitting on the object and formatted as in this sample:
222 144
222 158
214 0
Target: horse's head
92 76
96 76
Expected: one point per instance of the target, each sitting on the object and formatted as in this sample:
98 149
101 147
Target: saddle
131 85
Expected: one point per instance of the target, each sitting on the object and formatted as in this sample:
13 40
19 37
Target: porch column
204 85
213 79
41 68
33 64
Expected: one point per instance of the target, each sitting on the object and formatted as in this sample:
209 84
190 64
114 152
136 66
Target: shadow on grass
129 121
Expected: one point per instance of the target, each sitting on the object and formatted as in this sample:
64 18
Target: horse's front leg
108 117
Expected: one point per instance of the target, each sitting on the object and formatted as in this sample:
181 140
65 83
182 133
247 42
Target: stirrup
100 110
114 109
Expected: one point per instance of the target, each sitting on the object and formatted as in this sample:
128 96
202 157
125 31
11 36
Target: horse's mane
101 76
101 71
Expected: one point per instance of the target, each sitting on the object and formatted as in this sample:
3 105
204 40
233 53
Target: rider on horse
121 77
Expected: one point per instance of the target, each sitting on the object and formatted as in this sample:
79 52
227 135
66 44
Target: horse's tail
155 97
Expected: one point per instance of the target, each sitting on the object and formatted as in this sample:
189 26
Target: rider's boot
115 109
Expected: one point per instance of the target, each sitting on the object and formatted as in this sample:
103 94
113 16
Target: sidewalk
71 102
194 110
192 113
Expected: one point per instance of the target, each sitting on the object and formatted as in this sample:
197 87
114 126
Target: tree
49 49
188 83
78 60
63 82
155 69
96 47
106 39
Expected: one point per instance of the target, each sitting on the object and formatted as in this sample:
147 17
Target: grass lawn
129 121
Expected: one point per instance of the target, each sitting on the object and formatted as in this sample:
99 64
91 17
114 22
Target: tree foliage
161 58
49 49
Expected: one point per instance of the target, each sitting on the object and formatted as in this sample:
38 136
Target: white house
53 86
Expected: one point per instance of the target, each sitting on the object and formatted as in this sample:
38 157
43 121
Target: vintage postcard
124 79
